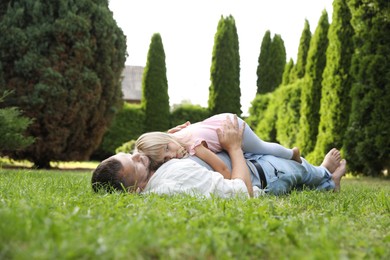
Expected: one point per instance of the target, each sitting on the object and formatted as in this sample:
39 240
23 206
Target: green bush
367 140
188 112
287 122
127 147
257 110
266 128
12 127
64 60
127 125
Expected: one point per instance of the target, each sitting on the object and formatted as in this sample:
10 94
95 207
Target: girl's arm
213 160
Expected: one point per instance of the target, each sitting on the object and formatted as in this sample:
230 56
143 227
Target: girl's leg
251 143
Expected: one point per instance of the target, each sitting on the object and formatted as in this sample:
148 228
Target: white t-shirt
179 176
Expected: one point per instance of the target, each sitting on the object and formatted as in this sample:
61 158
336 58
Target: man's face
135 169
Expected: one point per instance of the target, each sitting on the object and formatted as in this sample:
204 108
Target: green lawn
55 215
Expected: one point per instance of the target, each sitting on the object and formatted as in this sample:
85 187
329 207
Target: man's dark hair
107 176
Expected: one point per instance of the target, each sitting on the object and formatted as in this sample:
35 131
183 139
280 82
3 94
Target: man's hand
231 134
231 140
178 128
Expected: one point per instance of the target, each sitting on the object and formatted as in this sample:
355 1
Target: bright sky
187 29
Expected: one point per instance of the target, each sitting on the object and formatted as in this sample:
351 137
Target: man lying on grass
251 174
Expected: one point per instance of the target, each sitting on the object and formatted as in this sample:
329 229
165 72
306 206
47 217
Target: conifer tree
12 128
272 60
64 60
304 44
287 72
367 142
336 83
263 67
277 61
311 92
155 99
224 91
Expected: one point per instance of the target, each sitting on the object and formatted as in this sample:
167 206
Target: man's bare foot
332 160
296 155
338 174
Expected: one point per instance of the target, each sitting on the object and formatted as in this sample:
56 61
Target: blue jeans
284 175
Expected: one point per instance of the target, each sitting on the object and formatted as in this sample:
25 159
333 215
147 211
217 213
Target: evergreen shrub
188 112
127 125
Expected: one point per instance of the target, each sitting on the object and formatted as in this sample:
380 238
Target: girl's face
174 150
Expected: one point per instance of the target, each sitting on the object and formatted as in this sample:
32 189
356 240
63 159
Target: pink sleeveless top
206 131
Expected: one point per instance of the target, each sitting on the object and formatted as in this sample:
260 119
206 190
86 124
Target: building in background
132 83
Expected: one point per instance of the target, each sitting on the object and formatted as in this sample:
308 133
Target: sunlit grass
7 162
55 215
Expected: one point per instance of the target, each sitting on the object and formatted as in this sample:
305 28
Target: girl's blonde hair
153 144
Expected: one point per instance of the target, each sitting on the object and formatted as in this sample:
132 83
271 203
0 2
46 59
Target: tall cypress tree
304 44
277 61
311 92
287 72
336 83
155 99
272 60
224 91
64 60
263 67
367 142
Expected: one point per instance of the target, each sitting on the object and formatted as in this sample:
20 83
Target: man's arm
231 141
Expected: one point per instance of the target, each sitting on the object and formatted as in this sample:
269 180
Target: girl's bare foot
332 160
338 174
296 155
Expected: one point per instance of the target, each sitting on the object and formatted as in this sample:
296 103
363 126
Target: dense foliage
304 44
311 91
271 63
345 91
367 140
336 83
12 128
224 91
258 106
64 61
263 68
155 99
127 125
266 128
188 112
286 78
289 99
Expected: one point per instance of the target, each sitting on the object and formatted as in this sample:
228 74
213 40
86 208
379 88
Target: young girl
201 139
